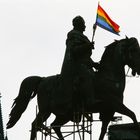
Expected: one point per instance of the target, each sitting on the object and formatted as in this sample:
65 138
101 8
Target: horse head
132 54
119 54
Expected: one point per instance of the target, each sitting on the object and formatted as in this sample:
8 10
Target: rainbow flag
105 22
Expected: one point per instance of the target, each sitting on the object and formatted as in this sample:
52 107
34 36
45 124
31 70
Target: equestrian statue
78 87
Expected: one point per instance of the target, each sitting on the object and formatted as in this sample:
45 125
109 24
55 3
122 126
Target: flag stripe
108 19
112 23
108 24
103 17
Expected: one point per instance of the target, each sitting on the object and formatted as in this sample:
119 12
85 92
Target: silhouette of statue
77 69
108 83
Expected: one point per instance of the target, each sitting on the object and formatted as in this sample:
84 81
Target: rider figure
77 69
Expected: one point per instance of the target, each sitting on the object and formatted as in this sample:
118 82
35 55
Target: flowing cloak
76 73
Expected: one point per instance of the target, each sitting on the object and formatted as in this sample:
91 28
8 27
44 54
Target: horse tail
27 91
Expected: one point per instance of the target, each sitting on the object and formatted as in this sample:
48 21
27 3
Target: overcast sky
32 42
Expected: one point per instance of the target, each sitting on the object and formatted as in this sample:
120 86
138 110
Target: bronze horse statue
109 88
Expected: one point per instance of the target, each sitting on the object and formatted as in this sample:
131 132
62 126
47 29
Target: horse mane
108 53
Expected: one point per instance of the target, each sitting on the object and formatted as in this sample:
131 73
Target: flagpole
94 29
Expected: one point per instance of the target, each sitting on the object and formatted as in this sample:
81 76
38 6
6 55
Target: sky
32 42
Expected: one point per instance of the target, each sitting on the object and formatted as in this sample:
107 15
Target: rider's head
79 23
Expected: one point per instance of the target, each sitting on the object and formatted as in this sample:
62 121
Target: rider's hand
92 44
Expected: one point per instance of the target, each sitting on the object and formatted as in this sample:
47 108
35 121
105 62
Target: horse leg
37 124
105 118
121 108
57 123
103 129
34 130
